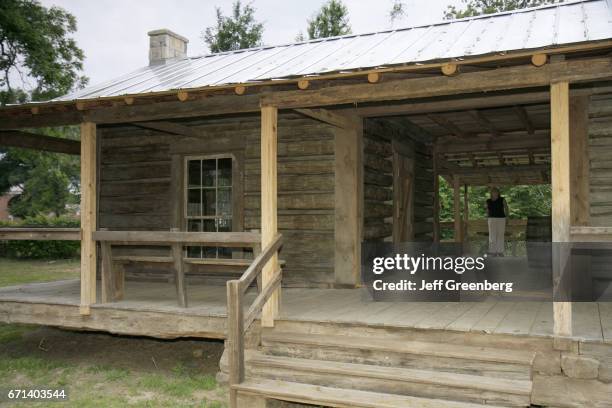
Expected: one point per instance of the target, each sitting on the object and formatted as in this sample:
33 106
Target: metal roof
536 28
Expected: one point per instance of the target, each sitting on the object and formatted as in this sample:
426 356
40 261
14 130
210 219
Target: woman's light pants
497 230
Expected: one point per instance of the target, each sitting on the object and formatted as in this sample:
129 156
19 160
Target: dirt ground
100 369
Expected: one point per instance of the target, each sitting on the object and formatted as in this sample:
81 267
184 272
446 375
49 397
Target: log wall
136 188
600 152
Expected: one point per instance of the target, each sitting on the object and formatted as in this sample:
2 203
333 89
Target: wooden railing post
88 216
269 226
235 337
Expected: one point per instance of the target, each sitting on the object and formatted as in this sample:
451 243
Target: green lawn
16 272
102 370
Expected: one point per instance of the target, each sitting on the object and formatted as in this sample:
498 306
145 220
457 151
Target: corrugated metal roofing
536 28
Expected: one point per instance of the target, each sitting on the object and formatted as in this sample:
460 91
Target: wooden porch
151 309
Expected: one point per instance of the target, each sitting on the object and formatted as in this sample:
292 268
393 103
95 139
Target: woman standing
497 211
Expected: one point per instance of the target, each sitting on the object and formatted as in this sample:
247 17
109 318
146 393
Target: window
208 198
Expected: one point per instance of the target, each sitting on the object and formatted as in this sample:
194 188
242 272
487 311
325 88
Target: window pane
194 226
209 252
209 226
194 202
209 173
225 172
225 202
194 173
208 195
225 224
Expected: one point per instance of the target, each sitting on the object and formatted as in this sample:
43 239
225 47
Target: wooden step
518 387
341 398
486 354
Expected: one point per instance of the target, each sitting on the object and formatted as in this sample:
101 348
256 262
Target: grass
89 383
18 272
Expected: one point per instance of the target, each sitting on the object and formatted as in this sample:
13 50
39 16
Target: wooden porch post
436 198
457 209
269 224
88 216
466 213
561 199
348 214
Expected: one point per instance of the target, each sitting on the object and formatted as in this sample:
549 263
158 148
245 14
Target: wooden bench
113 278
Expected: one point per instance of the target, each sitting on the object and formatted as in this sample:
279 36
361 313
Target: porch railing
176 240
237 321
40 234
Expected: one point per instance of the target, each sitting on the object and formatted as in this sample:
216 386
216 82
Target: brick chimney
166 46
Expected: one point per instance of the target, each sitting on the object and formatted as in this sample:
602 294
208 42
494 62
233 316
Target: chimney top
165 46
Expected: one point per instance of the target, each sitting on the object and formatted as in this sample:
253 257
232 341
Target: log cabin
228 196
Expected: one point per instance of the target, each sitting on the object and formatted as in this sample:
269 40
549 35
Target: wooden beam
475 144
523 116
303 84
539 59
495 170
436 187
34 141
580 164
561 200
466 213
40 234
484 122
524 76
374 77
348 166
88 216
465 103
240 90
450 69
448 125
269 206
327 116
170 127
457 209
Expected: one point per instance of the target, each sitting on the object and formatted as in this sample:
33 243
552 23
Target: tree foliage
36 46
479 7
235 32
46 182
398 10
330 21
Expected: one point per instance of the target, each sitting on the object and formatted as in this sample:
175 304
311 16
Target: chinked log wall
136 191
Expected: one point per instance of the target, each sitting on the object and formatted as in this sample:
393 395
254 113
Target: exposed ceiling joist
484 121
522 114
448 125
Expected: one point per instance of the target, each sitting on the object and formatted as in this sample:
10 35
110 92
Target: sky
113 33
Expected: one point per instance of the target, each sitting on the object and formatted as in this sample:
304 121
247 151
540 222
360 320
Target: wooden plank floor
592 321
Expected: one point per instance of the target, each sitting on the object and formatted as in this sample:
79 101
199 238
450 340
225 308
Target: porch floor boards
591 321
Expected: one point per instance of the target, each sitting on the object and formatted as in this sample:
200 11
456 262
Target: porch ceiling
507 145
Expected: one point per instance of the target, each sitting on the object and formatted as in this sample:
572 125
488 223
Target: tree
398 10
480 7
38 60
236 32
331 20
46 182
35 45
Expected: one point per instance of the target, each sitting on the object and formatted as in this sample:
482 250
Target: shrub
40 249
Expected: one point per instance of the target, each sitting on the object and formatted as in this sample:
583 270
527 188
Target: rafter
483 121
522 114
170 127
327 116
448 125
